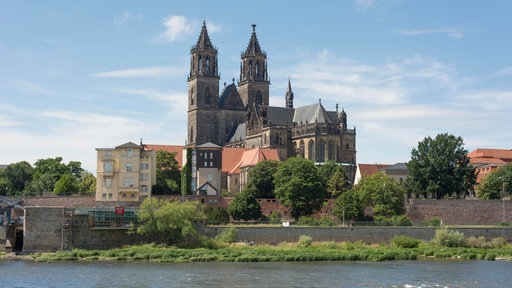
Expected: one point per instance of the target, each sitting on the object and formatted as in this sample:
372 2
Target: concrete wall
42 228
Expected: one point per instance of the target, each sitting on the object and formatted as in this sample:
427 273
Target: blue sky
77 75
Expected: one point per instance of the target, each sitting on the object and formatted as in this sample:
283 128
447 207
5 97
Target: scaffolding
112 217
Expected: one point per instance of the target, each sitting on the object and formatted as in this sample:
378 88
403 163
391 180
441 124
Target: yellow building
125 173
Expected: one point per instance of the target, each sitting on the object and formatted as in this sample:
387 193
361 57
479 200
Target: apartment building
125 173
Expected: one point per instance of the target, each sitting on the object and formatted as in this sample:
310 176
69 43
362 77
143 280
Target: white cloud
506 71
451 32
155 71
125 17
177 28
364 4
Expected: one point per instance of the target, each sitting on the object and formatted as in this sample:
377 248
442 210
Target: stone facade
240 115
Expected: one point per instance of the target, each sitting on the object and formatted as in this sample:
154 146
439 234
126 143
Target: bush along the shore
225 248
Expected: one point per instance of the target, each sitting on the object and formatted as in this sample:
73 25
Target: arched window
330 151
192 96
302 148
207 65
311 150
320 155
200 63
250 68
259 98
257 68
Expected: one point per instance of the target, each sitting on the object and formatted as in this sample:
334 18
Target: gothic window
207 96
311 150
264 138
191 135
259 98
250 68
207 65
257 68
330 150
321 151
302 148
200 62
192 96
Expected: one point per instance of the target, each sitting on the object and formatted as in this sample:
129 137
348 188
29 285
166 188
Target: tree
67 185
87 185
48 171
495 183
19 175
186 174
167 173
261 177
326 171
348 206
338 183
382 193
169 221
298 186
216 215
441 167
245 206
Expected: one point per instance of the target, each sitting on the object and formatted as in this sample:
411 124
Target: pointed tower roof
253 48
289 95
203 42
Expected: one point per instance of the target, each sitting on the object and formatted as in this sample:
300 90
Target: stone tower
289 95
254 83
203 92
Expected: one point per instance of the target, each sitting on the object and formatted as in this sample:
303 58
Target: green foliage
261 178
348 206
298 186
496 184
19 176
312 221
434 222
228 235
245 207
186 174
67 185
48 171
275 216
168 175
305 241
169 221
216 215
400 220
403 241
337 183
449 238
441 167
87 185
383 193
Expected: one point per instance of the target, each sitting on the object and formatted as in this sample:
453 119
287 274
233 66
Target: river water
409 274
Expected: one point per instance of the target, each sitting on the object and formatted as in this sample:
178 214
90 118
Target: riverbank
317 251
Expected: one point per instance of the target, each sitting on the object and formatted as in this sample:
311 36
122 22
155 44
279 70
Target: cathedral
240 115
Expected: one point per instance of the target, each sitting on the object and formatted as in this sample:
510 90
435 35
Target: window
104 195
143 188
129 152
128 181
109 195
108 153
144 177
107 167
211 163
108 182
124 195
210 177
129 167
144 166
211 155
132 195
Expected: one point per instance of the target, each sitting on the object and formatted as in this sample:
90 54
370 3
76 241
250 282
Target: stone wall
42 228
459 212
275 235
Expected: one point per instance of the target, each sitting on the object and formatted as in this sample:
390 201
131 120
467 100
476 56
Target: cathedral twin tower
241 116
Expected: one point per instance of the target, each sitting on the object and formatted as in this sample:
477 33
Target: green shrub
499 242
449 238
475 242
403 241
229 235
305 241
434 222
400 220
275 217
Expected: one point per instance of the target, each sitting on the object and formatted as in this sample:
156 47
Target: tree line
46 175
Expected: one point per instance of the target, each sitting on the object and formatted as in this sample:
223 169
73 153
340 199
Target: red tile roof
480 154
370 169
253 157
231 157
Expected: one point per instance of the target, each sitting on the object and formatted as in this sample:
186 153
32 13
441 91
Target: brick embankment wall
459 212
42 228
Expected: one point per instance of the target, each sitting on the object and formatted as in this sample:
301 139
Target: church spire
289 95
203 42
253 48
203 60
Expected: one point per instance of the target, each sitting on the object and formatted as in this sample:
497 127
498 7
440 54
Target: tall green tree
338 183
382 193
87 184
186 174
67 185
245 206
348 207
496 184
298 186
169 221
168 175
19 176
326 171
261 178
440 167
48 171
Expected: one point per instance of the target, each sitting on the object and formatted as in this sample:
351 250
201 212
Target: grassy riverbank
316 251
